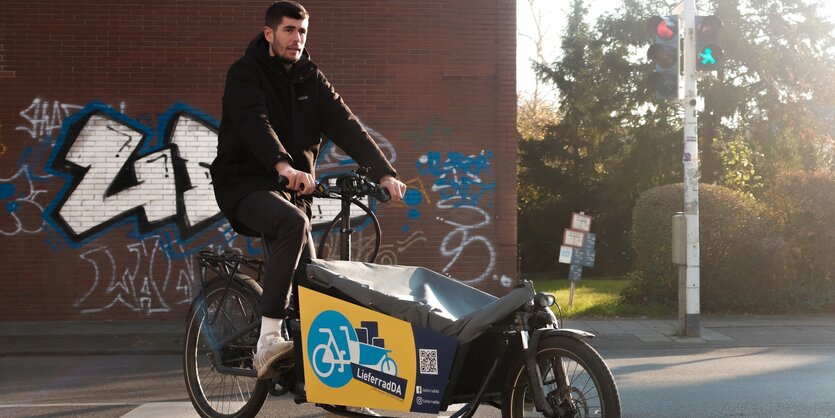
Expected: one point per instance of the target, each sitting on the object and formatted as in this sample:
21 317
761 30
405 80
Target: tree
779 70
614 140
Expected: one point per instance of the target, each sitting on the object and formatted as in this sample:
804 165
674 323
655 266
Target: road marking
62 405
163 409
166 409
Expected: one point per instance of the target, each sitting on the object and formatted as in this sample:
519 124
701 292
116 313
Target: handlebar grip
284 181
382 194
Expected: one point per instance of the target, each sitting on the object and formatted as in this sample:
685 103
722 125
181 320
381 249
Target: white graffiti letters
141 287
112 179
197 145
42 119
103 147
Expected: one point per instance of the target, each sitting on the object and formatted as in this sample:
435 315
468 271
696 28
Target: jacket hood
259 48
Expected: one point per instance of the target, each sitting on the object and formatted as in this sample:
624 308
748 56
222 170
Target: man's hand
297 181
395 187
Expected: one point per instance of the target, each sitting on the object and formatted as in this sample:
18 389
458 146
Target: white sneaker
271 350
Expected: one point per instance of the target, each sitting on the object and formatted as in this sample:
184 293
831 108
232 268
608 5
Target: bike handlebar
347 185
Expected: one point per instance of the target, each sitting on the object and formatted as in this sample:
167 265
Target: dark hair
278 10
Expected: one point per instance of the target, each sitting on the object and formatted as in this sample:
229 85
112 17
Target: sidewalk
166 337
730 331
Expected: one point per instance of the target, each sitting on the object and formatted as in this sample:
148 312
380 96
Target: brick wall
109 113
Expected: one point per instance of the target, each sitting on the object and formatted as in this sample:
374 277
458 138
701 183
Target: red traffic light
662 28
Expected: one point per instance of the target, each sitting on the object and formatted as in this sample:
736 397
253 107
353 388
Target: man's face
287 40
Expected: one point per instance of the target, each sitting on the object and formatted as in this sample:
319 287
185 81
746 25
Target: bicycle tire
593 392
325 245
215 394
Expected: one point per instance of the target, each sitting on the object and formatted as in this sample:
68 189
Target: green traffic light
707 57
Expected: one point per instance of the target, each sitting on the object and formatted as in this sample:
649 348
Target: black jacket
271 114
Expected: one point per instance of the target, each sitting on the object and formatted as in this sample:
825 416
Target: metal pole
691 172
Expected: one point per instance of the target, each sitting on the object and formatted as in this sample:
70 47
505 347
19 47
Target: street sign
574 273
566 254
581 222
577 249
573 238
583 257
591 240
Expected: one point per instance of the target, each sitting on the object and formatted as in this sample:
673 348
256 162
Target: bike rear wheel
214 393
591 390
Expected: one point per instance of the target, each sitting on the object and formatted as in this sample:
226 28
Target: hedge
804 206
740 248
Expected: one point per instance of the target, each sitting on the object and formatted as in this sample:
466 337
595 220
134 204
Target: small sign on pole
573 238
566 254
581 222
577 249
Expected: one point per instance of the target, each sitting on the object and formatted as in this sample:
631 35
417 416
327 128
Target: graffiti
111 165
461 188
20 212
332 157
389 252
414 196
43 117
143 287
458 176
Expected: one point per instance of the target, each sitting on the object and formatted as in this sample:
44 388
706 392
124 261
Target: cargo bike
393 338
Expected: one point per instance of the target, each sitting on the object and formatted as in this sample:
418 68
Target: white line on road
163 409
62 405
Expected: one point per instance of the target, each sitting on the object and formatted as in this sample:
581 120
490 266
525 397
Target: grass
595 298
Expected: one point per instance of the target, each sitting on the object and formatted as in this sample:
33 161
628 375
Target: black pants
287 230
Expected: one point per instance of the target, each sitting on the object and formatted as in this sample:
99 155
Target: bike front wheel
234 392
590 389
365 242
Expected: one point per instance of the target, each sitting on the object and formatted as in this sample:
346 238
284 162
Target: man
276 106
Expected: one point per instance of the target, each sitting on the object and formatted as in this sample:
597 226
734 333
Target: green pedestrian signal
709 54
707 57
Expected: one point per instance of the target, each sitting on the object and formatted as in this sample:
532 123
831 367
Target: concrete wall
109 113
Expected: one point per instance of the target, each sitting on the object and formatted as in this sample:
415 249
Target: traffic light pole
691 326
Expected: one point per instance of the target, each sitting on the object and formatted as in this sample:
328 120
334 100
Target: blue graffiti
458 176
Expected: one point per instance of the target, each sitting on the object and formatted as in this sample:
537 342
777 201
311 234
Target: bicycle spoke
226 394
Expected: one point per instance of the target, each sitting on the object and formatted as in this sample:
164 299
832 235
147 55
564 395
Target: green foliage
738 162
740 253
613 140
803 203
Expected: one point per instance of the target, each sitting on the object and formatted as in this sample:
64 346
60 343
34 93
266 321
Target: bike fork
530 344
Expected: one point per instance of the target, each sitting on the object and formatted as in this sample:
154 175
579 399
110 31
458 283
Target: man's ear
268 33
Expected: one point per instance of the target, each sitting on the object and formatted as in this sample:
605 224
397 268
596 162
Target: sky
554 12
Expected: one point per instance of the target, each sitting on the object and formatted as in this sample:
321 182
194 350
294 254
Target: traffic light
709 54
664 52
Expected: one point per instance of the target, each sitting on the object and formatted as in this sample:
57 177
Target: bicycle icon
336 344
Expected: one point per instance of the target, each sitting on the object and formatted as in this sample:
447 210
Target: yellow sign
354 356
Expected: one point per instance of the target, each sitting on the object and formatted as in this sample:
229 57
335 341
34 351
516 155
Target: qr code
428 361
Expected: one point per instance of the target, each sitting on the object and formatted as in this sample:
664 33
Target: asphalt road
788 381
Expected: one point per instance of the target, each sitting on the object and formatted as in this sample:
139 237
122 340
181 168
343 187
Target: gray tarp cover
419 296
